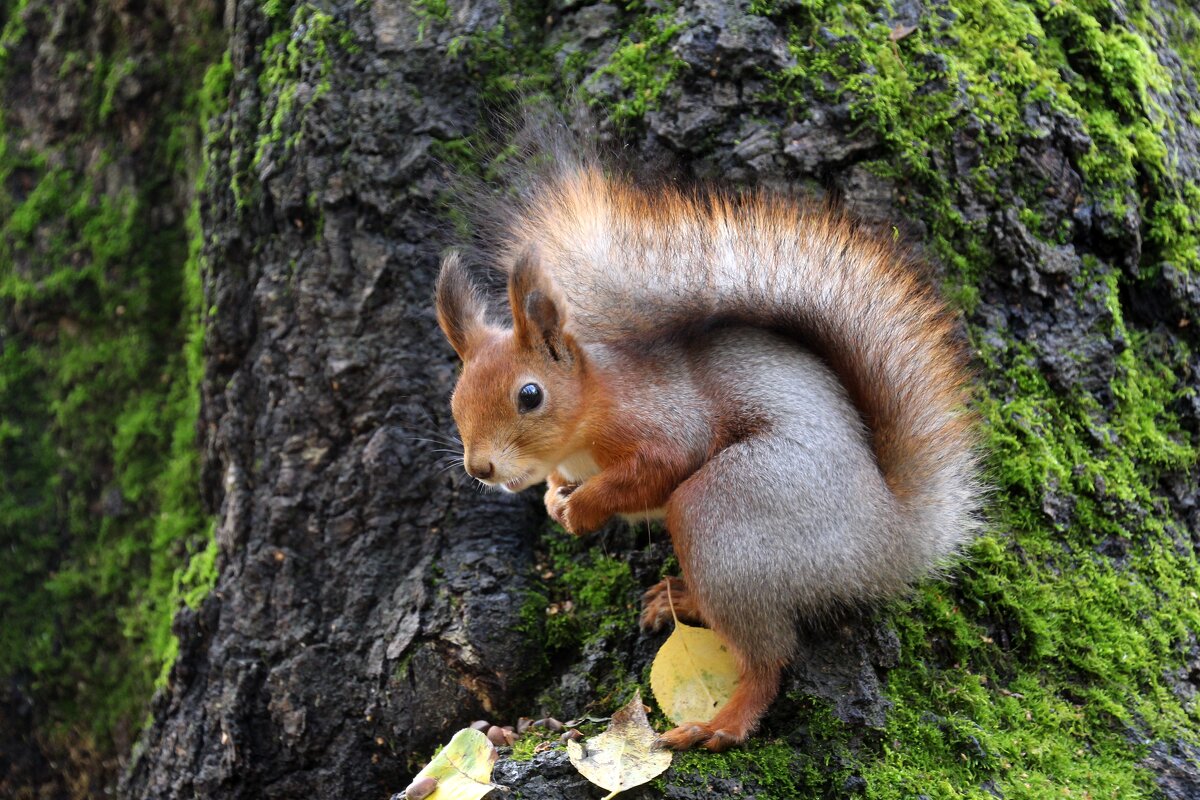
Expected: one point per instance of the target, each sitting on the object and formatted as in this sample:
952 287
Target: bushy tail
639 263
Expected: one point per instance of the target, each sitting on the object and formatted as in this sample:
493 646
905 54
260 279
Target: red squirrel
781 386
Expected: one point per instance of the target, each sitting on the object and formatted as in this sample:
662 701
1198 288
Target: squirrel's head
518 401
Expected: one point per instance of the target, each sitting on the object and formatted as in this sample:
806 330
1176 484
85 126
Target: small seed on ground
420 788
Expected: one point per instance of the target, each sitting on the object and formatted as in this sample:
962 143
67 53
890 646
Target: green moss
583 596
14 29
643 64
297 56
1174 226
429 10
274 9
582 599
512 59
765 769
509 59
986 61
525 748
1061 704
811 761
113 75
99 397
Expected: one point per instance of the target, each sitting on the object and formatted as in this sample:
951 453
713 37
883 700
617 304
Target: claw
722 740
655 617
693 734
685 737
657 602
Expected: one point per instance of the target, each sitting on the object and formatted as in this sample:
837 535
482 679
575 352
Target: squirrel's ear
538 308
459 307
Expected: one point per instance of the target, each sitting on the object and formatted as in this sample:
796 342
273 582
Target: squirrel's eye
529 398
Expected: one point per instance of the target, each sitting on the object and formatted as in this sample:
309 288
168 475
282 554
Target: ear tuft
459 306
539 309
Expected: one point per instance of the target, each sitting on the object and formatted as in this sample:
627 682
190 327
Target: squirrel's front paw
557 484
563 513
562 509
557 492
556 503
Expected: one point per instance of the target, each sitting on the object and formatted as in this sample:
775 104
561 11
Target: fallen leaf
463 768
900 31
693 675
624 755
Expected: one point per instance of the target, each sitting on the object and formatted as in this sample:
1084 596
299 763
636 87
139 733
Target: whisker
437 433
454 442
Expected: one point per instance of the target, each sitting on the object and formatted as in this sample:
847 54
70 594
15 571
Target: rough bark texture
368 604
324 379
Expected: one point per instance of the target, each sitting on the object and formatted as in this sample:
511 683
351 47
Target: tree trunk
363 608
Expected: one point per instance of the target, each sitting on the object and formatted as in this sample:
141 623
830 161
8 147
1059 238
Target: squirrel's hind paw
694 734
656 605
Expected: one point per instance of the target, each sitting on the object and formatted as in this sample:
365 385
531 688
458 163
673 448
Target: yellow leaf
693 675
463 768
624 755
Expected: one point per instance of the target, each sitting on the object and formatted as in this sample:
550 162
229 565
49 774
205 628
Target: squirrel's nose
482 473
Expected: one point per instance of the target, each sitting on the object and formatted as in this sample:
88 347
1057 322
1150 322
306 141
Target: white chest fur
578 467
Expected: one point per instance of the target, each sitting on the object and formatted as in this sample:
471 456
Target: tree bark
363 608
